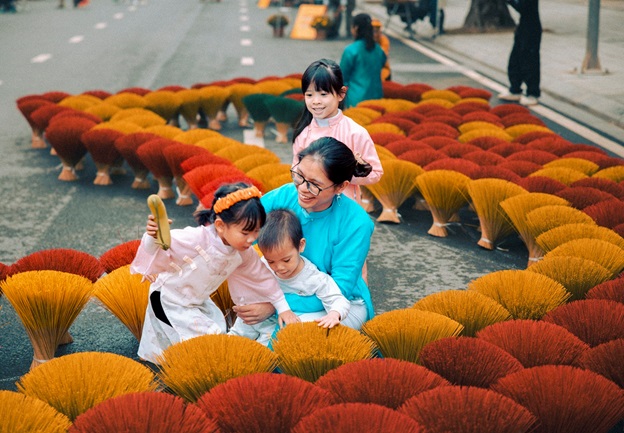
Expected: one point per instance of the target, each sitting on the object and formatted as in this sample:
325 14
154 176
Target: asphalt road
111 46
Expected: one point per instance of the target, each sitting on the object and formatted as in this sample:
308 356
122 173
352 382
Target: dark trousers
524 62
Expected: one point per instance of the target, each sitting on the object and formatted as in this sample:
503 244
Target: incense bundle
451 118
165 103
42 115
399 147
120 255
463 166
141 91
576 274
516 209
404 124
146 119
386 382
503 110
64 136
202 159
448 95
212 99
384 138
384 153
594 321
525 294
189 106
237 92
604 253
402 334
238 151
471 309
127 146
277 181
544 218
445 192
609 213
540 157
194 136
483 116
266 172
520 129
551 143
469 106
602 161
200 176
565 398
175 154
458 150
578 164
127 100
207 190
357 417
432 129
612 290
21 413
101 146
75 383
47 303
468 409
252 161
496 172
164 131
280 401
80 102
483 158
556 236
543 184
386 127
468 361
308 352
564 175
472 92
478 125
144 412
126 296
285 112
63 260
484 132
189 373
535 342
396 185
151 154
506 149
104 111
604 360
257 109
528 137
521 168
521 118
606 185
438 142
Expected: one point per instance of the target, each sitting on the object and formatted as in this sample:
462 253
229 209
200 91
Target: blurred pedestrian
361 63
524 60
384 43
7 6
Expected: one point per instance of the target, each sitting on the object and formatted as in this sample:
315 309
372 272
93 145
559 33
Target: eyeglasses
314 189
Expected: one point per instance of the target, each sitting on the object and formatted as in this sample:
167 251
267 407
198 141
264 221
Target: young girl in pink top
324 91
198 261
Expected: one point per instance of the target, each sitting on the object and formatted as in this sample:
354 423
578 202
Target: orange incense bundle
458 150
63 260
127 146
507 109
200 176
507 149
203 159
151 155
521 168
100 142
207 191
383 138
42 115
604 359
27 105
528 137
387 382
432 129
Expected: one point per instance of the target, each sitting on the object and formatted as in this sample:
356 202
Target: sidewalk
562 51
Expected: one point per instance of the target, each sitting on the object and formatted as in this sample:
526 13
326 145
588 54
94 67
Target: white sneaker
528 100
508 96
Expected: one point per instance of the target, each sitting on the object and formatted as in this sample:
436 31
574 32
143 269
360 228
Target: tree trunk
487 15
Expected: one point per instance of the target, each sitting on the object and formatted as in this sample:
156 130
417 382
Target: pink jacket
355 136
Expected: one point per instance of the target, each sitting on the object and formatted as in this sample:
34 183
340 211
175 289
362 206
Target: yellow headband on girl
226 202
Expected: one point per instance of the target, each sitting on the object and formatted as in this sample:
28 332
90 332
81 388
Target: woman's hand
152 226
253 314
330 320
287 318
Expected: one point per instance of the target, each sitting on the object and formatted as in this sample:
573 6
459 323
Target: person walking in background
524 60
361 63
7 6
384 43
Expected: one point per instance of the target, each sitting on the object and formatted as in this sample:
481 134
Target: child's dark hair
282 226
364 30
250 211
338 161
326 76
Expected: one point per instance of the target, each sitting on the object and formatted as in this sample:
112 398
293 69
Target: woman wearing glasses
337 229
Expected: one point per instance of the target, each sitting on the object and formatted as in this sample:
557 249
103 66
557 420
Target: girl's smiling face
322 104
235 235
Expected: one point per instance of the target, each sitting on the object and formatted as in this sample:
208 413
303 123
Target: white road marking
247 61
41 58
0 82
101 26
243 10
76 39
118 15
245 42
566 122
132 8
249 137
244 18
245 28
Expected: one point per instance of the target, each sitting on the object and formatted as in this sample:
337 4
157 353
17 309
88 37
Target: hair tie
358 158
226 202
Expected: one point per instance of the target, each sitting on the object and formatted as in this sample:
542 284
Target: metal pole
591 63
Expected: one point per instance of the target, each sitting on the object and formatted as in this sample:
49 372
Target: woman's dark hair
250 212
338 161
282 226
326 76
364 30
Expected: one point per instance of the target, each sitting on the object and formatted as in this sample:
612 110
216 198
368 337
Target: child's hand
152 227
288 318
330 320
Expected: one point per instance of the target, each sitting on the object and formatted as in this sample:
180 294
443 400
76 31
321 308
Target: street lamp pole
591 63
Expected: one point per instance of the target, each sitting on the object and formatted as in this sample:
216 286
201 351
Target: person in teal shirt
337 229
361 63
